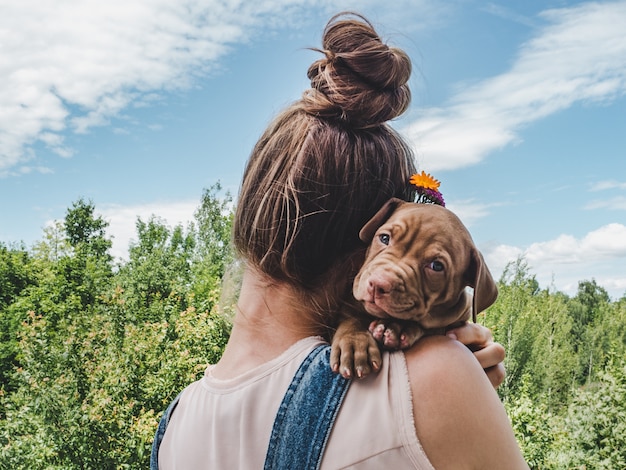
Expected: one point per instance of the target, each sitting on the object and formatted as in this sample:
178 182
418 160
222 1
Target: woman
318 173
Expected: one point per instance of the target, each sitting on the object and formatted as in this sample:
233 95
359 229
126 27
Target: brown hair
329 161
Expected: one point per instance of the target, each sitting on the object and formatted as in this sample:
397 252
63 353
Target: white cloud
398 16
567 260
607 185
509 14
615 203
469 211
24 170
68 65
122 220
579 56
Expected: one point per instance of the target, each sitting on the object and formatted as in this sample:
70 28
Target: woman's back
227 423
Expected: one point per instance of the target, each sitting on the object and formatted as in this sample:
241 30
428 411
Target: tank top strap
160 432
306 414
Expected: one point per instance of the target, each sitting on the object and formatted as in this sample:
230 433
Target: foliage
559 360
91 353
157 273
533 425
99 353
535 329
214 251
593 431
16 275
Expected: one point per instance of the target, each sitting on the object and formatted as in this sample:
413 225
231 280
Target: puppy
413 282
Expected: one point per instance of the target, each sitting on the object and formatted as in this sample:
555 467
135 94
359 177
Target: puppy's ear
479 277
369 229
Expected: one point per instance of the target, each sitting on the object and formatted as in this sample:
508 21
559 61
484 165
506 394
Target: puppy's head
419 262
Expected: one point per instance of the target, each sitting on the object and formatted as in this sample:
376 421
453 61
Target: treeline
91 351
565 388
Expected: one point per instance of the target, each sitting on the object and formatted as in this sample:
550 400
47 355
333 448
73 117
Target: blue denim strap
165 419
306 415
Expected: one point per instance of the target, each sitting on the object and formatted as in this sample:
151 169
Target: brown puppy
419 262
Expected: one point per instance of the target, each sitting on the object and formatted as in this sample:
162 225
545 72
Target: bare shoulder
459 418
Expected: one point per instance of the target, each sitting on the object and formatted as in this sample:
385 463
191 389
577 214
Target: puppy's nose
379 286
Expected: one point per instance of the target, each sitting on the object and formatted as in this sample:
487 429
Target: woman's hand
490 354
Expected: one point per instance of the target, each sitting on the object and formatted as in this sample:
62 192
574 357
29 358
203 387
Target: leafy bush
593 431
533 426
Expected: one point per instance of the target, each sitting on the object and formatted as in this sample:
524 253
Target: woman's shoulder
445 380
438 357
459 418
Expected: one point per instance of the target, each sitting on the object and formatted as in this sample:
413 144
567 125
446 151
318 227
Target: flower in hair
427 189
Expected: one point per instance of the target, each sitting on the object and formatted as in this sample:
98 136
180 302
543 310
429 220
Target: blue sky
519 109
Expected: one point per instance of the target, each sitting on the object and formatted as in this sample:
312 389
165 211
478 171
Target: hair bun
361 81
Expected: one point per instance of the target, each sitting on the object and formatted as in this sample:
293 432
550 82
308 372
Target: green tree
552 362
73 270
511 321
535 328
593 431
214 223
16 275
158 271
532 424
595 331
85 231
214 254
102 352
73 266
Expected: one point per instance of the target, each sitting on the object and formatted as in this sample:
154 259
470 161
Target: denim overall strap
306 415
165 419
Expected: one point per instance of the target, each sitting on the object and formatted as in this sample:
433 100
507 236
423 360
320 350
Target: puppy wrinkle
405 240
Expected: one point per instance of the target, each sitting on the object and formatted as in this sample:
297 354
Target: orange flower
424 180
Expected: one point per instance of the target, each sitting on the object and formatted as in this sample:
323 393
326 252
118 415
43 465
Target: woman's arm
459 418
490 355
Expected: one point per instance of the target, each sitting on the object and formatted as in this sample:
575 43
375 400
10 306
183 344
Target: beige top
226 424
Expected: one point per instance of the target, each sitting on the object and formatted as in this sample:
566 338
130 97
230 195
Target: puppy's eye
436 266
384 238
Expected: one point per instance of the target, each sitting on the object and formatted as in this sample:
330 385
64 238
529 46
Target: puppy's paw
387 335
355 354
377 329
393 335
